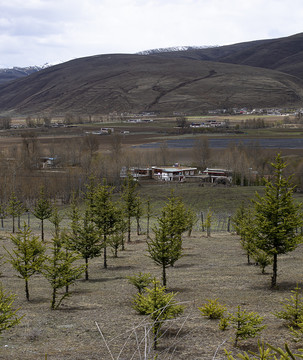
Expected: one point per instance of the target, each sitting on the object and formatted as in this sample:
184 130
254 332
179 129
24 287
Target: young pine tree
148 216
246 325
15 208
56 218
164 249
104 215
84 239
43 209
293 309
8 316
140 281
262 259
166 246
212 309
238 217
117 238
130 199
27 255
247 231
138 215
159 304
60 270
277 217
267 352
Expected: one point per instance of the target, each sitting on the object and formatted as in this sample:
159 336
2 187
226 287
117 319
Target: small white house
173 173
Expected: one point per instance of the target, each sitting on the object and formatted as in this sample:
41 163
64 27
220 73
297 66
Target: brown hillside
105 83
283 54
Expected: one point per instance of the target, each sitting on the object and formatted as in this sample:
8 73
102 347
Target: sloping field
212 267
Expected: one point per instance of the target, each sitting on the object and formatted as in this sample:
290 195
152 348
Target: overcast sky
35 32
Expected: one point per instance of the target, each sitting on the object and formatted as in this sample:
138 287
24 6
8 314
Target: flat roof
174 168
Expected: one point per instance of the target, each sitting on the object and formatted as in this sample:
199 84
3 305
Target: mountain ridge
16 72
191 81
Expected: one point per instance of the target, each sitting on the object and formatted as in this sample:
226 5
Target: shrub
293 309
159 304
267 353
247 325
262 259
212 309
224 323
140 281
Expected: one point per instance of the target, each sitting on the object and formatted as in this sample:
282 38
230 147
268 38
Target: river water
269 143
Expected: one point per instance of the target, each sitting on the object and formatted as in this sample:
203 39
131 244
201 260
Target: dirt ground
211 268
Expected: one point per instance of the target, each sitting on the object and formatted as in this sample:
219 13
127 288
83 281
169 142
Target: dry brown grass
212 267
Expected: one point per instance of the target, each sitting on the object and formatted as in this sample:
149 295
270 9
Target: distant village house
179 173
161 173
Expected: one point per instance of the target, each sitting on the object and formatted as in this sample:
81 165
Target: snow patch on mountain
174 48
26 70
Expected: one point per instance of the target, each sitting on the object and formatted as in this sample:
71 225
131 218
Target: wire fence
219 222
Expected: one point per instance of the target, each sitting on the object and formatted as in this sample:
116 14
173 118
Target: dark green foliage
138 213
84 238
262 259
90 190
224 323
15 208
237 219
8 316
56 219
60 270
277 217
130 199
116 240
246 325
244 225
43 209
293 309
212 309
27 256
267 353
176 215
160 305
140 281
148 216
166 247
104 214
297 331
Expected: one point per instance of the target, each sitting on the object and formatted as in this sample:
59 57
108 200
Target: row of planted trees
43 206
272 229
267 230
94 226
102 222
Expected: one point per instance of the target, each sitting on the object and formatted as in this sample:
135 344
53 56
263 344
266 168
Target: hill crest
264 73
